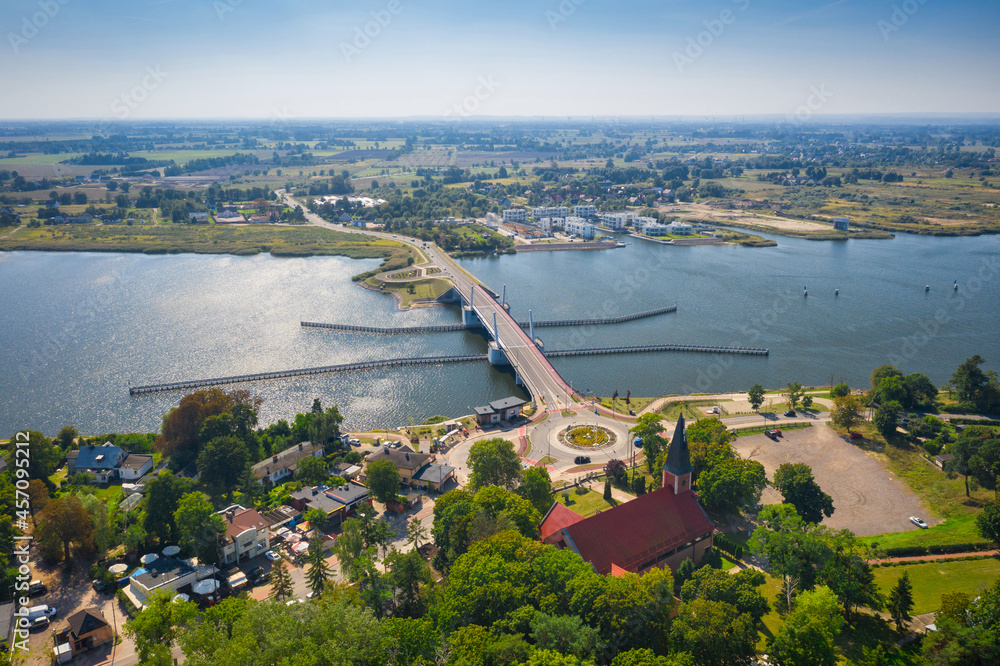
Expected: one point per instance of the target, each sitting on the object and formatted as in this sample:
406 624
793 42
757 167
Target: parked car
273 556
37 588
38 623
857 435
773 434
790 412
638 442
581 460
257 576
98 585
918 522
777 431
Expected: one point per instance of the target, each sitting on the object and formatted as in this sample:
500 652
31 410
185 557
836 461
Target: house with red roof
662 528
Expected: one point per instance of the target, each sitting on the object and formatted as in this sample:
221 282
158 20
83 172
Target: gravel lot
867 498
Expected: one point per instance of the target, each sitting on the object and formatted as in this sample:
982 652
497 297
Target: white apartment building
678 228
552 224
553 211
651 227
580 227
618 221
585 211
515 215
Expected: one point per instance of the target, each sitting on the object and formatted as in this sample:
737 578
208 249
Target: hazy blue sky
302 58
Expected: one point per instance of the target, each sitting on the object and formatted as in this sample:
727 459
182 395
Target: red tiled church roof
635 532
557 518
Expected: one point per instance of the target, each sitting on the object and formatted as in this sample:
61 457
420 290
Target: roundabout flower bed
587 437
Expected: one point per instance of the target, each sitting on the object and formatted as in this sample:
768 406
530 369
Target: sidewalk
936 558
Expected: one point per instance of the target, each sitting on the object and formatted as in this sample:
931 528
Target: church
661 528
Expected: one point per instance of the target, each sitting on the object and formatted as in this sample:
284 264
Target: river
78 328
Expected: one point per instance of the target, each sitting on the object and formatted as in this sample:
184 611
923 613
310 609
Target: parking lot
867 498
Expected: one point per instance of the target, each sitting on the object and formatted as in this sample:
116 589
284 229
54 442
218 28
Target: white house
580 227
101 461
654 228
165 574
515 215
618 221
553 211
585 211
246 536
272 470
135 466
678 228
551 224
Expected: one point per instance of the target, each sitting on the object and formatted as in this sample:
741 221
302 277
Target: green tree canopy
494 463
198 526
383 480
797 486
756 396
808 635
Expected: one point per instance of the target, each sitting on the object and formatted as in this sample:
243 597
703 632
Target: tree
970 381
198 526
889 389
883 372
647 428
607 490
43 457
156 627
715 633
222 463
313 471
564 634
732 483
968 629
65 522
38 498
408 572
416 533
281 581
319 570
537 488
67 435
383 480
901 601
739 590
325 428
756 396
810 630
105 532
792 546
349 547
850 576
793 393
494 463
182 424
920 391
840 391
163 496
847 412
796 484
988 523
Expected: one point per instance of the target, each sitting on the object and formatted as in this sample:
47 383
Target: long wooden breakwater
363 365
658 348
402 330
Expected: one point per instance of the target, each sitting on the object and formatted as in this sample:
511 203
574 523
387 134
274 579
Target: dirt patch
710 214
867 498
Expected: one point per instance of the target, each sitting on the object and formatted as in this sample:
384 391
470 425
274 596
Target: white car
271 555
918 522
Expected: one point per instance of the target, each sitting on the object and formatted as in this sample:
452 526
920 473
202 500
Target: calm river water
78 328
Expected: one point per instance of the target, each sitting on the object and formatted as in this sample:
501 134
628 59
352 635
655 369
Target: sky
288 59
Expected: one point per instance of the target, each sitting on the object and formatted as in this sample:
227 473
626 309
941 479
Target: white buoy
927 287
836 292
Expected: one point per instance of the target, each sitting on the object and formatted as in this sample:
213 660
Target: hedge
913 551
734 549
963 421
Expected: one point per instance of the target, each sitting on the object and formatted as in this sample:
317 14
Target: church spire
677 468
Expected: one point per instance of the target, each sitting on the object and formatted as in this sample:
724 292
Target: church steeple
677 468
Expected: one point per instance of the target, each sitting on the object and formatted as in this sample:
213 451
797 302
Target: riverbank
831 235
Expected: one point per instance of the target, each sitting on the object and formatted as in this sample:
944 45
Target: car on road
581 460
257 575
857 435
918 522
790 413
273 556
638 442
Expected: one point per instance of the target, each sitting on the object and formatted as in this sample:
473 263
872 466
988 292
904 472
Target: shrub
580 490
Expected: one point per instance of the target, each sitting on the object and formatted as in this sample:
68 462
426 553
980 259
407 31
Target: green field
932 579
587 505
422 289
694 409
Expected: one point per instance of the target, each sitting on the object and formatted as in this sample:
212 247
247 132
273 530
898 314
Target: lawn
932 579
589 504
422 289
694 409
757 430
635 404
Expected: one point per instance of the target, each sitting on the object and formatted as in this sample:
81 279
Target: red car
857 435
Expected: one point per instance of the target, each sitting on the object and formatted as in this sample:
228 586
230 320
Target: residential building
351 495
618 221
678 228
662 528
515 215
433 476
551 224
841 223
283 465
651 227
86 629
198 217
552 211
246 535
6 625
163 574
230 218
283 516
135 466
580 227
585 210
500 410
404 458
101 461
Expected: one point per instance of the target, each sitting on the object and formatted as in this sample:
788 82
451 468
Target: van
36 588
36 612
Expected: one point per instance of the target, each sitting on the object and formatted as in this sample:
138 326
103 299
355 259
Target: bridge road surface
535 371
